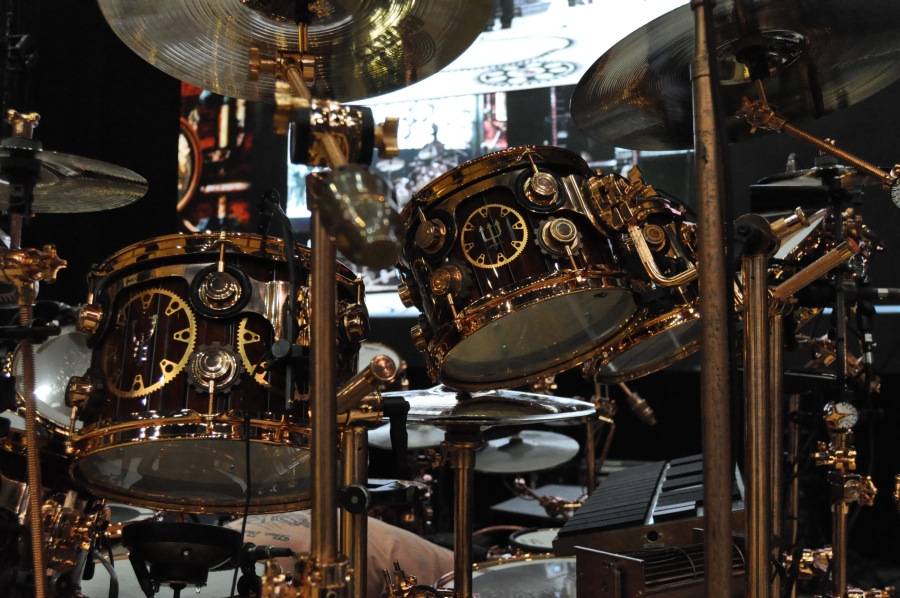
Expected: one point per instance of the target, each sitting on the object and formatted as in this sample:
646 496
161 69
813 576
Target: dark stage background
98 99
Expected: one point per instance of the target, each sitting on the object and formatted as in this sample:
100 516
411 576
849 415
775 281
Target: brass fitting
386 138
89 318
784 227
405 295
25 266
418 338
23 125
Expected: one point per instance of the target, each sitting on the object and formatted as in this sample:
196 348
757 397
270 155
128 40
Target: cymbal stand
606 409
755 240
23 268
459 449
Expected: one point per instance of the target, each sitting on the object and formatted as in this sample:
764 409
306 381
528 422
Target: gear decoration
493 228
527 72
137 323
245 337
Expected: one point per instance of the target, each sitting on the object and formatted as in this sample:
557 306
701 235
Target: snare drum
178 326
513 278
531 576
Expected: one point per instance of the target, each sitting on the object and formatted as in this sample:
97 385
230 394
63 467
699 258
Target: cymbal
418 437
529 450
822 56
362 49
68 184
444 407
812 177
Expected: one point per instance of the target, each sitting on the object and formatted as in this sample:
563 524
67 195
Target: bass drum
535 576
180 326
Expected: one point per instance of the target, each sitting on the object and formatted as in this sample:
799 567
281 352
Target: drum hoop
514 537
167 427
489 165
645 330
510 300
181 244
524 558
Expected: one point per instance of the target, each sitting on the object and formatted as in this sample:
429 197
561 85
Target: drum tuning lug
406 296
541 188
355 323
559 237
418 338
655 237
89 318
430 235
214 364
78 392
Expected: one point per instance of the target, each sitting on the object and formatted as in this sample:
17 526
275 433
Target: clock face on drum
493 235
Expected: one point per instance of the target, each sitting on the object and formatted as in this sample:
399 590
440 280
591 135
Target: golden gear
494 235
168 369
248 337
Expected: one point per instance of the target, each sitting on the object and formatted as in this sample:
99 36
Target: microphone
359 209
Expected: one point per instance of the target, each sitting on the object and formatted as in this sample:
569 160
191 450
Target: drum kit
218 373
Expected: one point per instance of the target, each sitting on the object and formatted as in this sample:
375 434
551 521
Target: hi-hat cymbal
362 49
821 56
529 450
68 184
441 406
418 437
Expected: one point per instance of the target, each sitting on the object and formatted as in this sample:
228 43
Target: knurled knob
446 280
418 338
563 230
219 290
430 236
78 391
355 322
405 295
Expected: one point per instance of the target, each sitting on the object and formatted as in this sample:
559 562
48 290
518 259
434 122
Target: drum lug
405 293
355 323
418 337
430 235
90 318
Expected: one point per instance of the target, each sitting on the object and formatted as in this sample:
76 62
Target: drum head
200 475
540 337
654 352
534 577
55 361
534 540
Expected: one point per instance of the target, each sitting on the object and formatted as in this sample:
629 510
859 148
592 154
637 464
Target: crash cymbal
362 49
418 437
68 184
529 450
441 406
821 56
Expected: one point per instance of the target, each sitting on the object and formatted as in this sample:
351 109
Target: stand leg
590 453
323 405
776 414
461 454
794 490
714 277
355 528
758 495
839 549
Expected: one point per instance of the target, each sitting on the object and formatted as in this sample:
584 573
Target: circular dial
841 416
493 235
895 192
152 342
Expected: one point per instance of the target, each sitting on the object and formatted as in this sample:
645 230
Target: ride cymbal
68 184
362 49
817 57
527 451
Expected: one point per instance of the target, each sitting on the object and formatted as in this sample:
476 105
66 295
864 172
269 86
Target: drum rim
530 530
513 299
645 330
171 429
489 165
192 244
524 558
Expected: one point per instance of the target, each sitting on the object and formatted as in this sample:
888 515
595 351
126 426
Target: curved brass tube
650 265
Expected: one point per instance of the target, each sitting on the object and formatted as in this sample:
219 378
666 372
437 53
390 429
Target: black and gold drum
175 393
513 278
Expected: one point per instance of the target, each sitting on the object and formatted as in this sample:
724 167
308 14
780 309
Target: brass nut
447 280
655 236
78 391
542 188
89 318
405 295
418 338
430 236
355 323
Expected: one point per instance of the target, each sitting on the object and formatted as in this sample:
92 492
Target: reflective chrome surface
823 56
362 49
529 450
532 576
417 436
442 406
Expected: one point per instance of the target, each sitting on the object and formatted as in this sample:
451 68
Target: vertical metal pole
758 496
461 454
355 528
713 280
776 414
590 453
794 489
839 543
323 399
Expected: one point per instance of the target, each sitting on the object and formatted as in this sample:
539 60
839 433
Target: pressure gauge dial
895 192
841 416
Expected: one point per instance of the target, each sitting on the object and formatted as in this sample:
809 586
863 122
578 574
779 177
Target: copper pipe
355 528
609 436
776 415
713 276
839 548
462 458
381 370
650 264
590 454
294 77
758 495
794 488
323 392
816 270
846 157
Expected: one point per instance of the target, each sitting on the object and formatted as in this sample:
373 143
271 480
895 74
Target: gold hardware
405 295
418 338
219 290
355 323
430 235
386 137
23 125
482 229
89 318
24 266
655 236
650 264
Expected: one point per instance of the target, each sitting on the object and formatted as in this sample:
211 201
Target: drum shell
530 277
